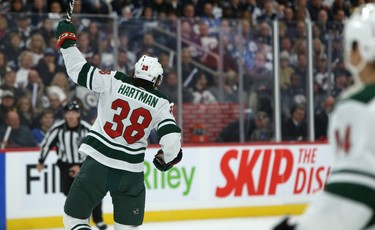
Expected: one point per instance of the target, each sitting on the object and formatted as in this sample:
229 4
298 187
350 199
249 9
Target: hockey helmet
72 106
149 69
360 28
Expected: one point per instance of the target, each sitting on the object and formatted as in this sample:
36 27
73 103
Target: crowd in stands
215 34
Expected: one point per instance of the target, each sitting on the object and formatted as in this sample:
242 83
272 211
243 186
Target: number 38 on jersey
138 120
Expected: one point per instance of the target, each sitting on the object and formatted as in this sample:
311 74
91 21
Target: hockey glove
160 163
65 34
284 225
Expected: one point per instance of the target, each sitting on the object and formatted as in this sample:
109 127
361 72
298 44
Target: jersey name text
138 94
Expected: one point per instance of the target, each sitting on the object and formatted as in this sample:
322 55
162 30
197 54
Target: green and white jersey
352 132
126 116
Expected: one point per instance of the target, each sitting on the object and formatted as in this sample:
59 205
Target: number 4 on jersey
343 142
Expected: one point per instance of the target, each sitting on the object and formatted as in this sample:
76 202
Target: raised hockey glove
284 225
160 163
65 34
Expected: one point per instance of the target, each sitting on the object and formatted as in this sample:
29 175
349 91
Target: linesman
67 135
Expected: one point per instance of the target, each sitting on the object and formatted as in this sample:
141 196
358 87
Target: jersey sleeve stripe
90 79
351 171
82 76
356 192
113 153
101 137
168 129
164 122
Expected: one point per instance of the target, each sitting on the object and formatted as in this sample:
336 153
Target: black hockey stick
69 11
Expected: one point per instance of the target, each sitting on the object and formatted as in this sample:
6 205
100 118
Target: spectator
123 62
26 63
20 135
14 49
94 35
322 23
9 84
37 46
60 86
230 88
95 7
3 66
314 6
55 7
25 111
38 11
295 128
46 29
322 118
285 71
170 88
301 69
45 121
148 46
231 133
3 31
319 96
124 44
47 66
165 62
24 27
106 50
201 92
341 83
56 105
83 42
8 103
263 129
188 69
321 74
268 12
35 90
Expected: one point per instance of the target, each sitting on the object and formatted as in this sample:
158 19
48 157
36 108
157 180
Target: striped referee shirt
66 140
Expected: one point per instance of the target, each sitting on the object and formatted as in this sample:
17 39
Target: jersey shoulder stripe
111 152
365 95
159 94
124 78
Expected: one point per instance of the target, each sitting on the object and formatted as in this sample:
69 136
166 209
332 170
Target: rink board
210 182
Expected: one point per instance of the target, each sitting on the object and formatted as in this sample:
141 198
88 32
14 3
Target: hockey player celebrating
129 108
348 201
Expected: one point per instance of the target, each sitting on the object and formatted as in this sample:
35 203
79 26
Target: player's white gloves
160 163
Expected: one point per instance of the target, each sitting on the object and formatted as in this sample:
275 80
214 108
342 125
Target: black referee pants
66 182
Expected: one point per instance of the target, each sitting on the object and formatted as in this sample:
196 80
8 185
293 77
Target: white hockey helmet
360 28
149 69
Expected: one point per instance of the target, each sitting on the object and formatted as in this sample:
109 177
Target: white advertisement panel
207 177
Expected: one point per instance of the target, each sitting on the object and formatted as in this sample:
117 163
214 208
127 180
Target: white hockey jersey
351 132
126 116
348 201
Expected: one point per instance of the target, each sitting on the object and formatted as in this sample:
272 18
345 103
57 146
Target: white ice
255 223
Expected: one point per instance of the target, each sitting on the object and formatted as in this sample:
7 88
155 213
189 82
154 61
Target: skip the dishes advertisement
207 178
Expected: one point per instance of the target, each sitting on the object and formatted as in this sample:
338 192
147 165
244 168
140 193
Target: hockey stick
69 11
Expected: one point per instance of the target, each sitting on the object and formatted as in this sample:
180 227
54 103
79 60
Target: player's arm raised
77 67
